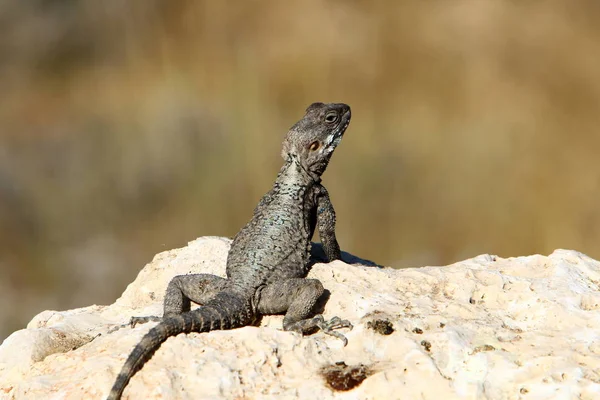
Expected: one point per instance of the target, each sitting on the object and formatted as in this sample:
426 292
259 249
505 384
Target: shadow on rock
317 255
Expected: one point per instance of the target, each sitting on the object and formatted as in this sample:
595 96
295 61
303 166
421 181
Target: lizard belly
278 250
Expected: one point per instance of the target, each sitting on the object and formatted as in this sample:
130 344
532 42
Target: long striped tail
225 311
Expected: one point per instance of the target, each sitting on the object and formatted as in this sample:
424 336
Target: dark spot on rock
381 326
7 389
342 377
485 347
152 296
442 324
418 330
472 301
278 363
426 344
515 330
524 391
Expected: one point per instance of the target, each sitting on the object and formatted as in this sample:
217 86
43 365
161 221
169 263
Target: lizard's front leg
326 225
184 289
297 298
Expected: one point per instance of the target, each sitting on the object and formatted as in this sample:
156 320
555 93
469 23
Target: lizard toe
116 328
328 327
142 320
337 322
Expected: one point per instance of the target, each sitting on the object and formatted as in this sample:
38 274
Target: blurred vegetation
129 128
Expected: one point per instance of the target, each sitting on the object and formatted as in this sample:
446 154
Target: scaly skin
269 258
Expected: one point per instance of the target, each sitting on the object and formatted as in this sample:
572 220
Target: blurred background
130 128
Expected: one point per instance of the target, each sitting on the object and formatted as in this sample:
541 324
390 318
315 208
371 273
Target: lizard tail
225 311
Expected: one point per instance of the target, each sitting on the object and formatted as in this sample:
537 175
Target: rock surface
484 328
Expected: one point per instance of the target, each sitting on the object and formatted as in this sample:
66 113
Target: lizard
268 260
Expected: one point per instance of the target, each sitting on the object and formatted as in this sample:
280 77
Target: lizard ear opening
314 146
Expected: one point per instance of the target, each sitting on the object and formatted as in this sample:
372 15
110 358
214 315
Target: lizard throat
293 172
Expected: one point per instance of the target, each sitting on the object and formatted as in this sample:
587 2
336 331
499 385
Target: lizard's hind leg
184 289
297 298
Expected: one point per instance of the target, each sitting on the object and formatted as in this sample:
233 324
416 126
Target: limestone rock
488 327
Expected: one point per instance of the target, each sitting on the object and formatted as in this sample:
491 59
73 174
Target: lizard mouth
346 118
345 122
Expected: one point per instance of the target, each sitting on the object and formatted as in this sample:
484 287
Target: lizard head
312 140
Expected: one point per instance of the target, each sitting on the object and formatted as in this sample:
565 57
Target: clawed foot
133 322
334 323
306 325
116 328
142 320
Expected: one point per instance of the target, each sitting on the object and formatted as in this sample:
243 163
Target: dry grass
129 129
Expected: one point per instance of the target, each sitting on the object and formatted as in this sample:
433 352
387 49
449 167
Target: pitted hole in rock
485 347
381 326
342 377
426 344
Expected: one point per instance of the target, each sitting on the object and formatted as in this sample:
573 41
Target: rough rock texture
488 327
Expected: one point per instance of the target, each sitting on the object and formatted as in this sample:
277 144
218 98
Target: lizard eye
314 146
331 117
